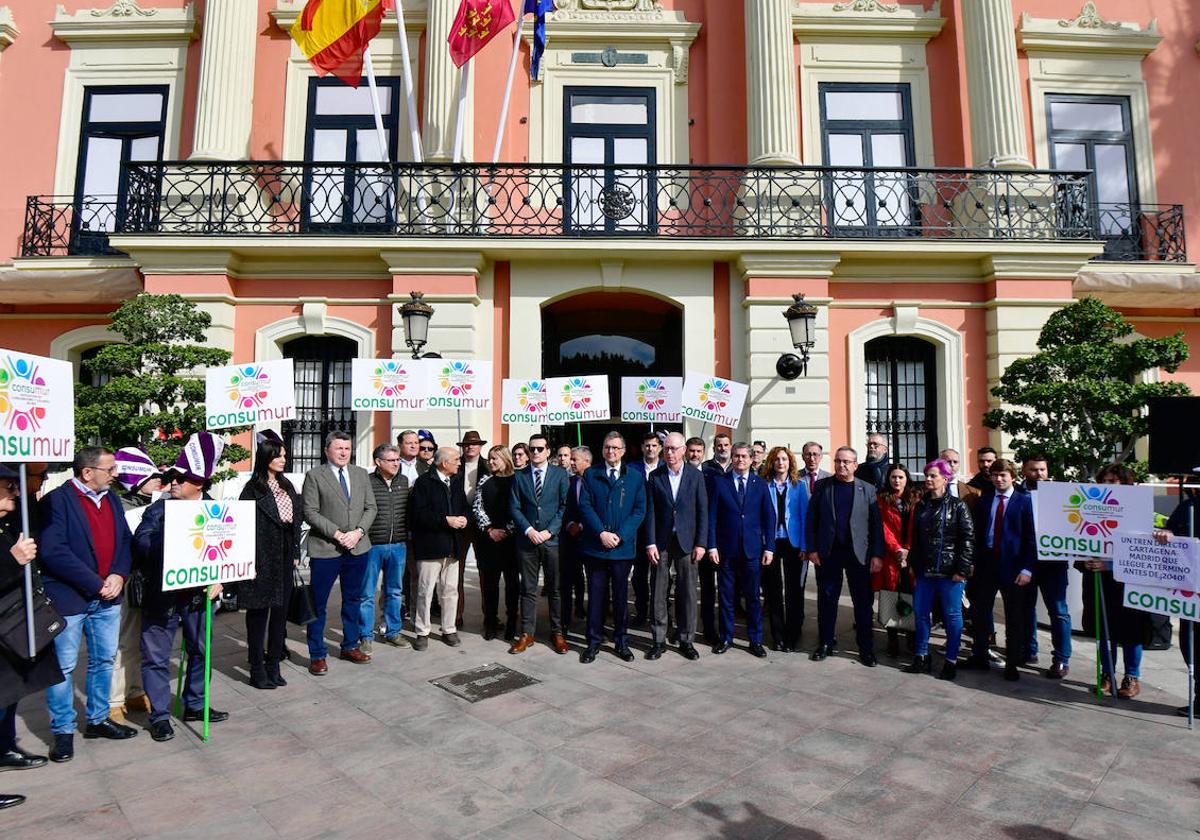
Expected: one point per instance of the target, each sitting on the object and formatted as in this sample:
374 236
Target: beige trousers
127 669
442 574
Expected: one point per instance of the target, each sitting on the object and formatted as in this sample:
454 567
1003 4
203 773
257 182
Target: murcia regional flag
332 34
477 22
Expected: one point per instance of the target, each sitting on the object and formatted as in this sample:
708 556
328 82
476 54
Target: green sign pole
579 434
207 657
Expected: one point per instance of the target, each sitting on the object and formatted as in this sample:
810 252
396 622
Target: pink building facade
937 178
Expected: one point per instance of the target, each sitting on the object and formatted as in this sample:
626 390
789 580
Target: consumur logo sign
651 395
531 396
456 379
577 393
1093 511
714 394
213 532
389 379
249 386
24 395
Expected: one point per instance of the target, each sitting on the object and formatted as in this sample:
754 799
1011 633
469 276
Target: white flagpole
381 135
462 111
512 69
413 126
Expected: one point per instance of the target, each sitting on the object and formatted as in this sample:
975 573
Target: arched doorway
618 334
902 398
322 397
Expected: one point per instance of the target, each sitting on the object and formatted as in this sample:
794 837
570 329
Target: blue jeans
324 572
389 559
1132 655
101 623
1051 580
949 593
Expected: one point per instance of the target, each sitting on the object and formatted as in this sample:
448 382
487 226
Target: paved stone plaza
726 747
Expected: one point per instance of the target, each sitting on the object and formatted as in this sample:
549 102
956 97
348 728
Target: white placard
651 399
577 399
207 542
388 385
1081 520
1140 560
37 408
250 394
524 401
463 384
713 399
1172 602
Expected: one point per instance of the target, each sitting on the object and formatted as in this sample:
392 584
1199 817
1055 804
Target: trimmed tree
150 394
1079 401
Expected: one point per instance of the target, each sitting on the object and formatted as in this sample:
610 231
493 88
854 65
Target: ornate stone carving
1089 18
124 8
679 63
610 5
864 6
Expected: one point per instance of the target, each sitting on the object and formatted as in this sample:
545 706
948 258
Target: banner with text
464 384
207 542
713 399
577 399
1173 602
250 394
651 399
1082 520
388 384
1138 559
37 408
523 401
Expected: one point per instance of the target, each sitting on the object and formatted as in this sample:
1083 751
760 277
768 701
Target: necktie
342 481
612 475
741 488
812 479
998 526
537 485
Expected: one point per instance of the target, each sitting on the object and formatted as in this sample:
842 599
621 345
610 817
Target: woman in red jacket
896 503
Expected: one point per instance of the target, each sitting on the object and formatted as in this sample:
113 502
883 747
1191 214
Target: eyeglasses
13 486
538 448
425 448
113 470
844 461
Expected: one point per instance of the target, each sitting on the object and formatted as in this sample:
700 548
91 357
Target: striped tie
537 485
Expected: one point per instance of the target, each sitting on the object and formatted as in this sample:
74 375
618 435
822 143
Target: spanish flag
333 34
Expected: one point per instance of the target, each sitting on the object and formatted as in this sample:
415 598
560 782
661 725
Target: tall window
322 397
902 399
1096 133
610 131
341 130
868 125
88 377
120 124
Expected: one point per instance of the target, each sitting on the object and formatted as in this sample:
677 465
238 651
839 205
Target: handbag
47 622
135 589
302 610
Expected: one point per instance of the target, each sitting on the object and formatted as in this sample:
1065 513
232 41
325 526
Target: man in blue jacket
613 504
741 540
85 561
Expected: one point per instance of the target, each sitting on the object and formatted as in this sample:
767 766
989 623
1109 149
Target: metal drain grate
484 682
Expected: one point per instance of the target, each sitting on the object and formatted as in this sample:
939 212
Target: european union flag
538 8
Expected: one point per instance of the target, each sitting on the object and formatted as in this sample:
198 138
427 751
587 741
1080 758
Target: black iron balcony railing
804 203
1141 232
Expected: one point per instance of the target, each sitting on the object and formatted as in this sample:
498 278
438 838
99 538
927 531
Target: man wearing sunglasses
539 496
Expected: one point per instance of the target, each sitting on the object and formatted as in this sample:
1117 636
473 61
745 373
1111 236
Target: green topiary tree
150 395
1079 401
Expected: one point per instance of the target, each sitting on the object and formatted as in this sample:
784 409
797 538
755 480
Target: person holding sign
165 611
1185 522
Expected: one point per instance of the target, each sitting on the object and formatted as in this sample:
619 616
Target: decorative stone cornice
8 28
860 19
865 6
416 16
1088 33
122 21
601 10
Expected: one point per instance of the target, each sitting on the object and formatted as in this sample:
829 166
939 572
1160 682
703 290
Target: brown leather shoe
1058 671
318 667
1106 684
1130 688
355 655
522 644
559 643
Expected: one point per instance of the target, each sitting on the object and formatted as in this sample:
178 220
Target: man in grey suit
676 539
539 495
339 506
812 453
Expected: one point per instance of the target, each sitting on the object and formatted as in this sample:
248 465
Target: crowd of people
744 527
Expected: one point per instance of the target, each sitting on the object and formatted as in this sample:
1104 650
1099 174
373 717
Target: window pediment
1087 32
122 21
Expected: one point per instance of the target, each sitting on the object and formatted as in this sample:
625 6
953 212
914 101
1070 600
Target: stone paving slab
726 747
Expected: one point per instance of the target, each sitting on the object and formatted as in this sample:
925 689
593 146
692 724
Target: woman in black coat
495 548
277 549
19 675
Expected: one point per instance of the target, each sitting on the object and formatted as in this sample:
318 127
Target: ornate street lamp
802 321
416 314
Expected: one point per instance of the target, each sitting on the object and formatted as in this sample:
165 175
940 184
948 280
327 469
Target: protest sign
462 384
1173 602
713 399
523 401
577 399
1140 560
387 385
1081 520
207 542
250 394
651 399
37 408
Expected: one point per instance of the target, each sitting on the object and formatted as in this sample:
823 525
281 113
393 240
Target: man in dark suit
741 540
874 469
339 507
570 559
677 540
613 504
845 537
720 462
539 496
439 511
985 456
812 453
1005 558
85 558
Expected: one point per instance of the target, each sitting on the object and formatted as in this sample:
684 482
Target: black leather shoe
777 646
214 716
1011 673
655 652
868 659
821 652
689 651
758 650
274 676
588 656
721 647
949 670
18 759
63 749
10 800
624 654
919 665
975 663
161 730
109 728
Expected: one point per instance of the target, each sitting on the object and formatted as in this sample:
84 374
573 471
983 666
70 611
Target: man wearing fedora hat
473 468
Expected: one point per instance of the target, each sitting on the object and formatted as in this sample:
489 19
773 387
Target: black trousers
707 573
833 566
982 588
8 728
783 588
572 580
1019 603
266 630
498 560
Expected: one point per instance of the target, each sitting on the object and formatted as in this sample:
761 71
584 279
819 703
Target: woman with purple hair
941 558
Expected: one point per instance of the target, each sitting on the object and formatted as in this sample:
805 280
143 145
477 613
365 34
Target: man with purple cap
164 612
140 479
